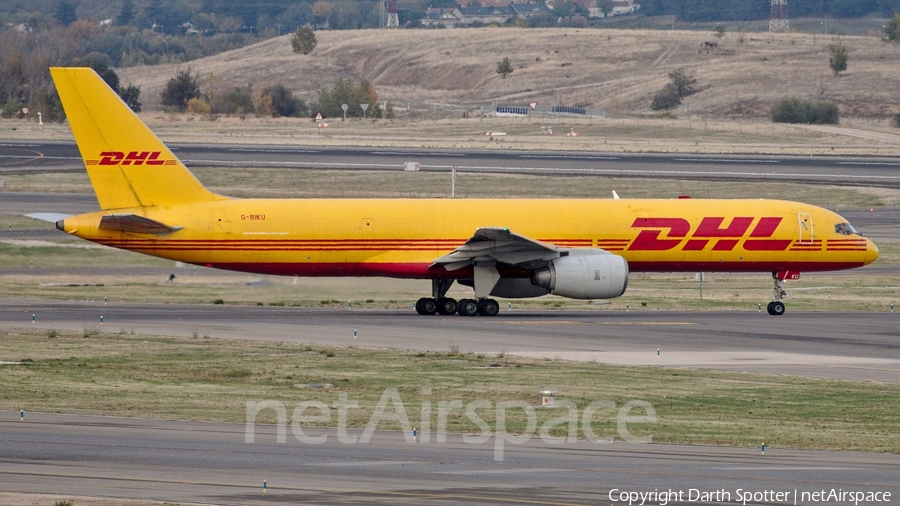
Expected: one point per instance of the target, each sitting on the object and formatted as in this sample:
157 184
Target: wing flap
135 224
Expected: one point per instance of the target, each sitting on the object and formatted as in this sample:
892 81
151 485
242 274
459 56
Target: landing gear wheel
775 308
446 306
468 307
426 306
488 307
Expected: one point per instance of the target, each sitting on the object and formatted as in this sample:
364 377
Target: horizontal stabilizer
135 224
51 217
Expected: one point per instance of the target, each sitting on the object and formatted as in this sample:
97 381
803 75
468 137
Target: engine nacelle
591 274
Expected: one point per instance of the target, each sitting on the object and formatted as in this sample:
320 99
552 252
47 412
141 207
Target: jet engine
591 274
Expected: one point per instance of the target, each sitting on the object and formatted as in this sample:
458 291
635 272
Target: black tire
447 306
488 307
777 308
769 308
467 307
426 306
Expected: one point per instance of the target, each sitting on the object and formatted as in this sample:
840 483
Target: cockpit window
845 229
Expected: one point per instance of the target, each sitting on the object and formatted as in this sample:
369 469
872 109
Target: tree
131 95
304 40
563 8
180 89
126 13
504 67
350 92
284 103
720 30
896 121
320 11
892 27
605 6
65 13
666 99
683 82
839 57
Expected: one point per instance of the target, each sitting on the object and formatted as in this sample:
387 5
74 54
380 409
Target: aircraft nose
871 252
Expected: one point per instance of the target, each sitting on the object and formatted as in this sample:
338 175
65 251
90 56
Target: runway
859 346
211 463
885 172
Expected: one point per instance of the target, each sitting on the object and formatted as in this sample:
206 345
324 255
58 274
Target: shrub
791 109
284 103
350 92
897 121
504 67
238 100
180 89
12 107
304 40
198 106
838 57
666 99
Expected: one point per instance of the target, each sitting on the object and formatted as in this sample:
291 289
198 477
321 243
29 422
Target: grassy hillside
615 70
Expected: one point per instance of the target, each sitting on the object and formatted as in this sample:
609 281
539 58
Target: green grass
211 379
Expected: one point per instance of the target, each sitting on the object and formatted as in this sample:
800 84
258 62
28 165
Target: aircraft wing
136 224
499 245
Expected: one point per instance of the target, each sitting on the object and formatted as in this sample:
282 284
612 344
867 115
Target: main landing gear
776 307
439 303
465 307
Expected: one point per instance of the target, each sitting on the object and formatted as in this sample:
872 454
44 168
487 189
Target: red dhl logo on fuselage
132 158
710 230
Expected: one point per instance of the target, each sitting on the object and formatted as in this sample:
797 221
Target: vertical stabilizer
128 165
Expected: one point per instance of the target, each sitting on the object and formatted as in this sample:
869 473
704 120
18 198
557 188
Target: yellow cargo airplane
582 249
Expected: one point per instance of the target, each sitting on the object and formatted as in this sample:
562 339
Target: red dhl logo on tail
132 158
709 230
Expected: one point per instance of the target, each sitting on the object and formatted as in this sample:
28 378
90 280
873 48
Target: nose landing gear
776 307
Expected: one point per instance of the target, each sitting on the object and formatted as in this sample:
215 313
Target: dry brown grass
616 70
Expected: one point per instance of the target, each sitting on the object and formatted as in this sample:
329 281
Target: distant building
620 8
447 18
486 15
528 9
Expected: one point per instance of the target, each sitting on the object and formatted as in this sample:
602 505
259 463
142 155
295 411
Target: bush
838 57
350 92
304 40
897 121
238 100
284 103
12 107
198 106
666 99
791 109
180 90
